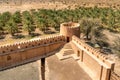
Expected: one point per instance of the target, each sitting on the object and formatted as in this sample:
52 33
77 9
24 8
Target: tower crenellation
68 29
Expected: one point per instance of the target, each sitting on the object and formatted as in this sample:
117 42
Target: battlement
69 29
70 25
99 65
30 43
92 50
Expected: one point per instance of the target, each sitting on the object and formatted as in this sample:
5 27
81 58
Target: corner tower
68 29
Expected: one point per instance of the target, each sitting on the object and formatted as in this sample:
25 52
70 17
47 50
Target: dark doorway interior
78 53
68 39
43 68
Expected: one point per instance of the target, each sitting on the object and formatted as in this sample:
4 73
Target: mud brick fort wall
96 65
70 29
14 54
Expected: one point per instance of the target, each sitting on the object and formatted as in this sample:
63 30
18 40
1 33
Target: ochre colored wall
70 29
97 63
12 55
93 65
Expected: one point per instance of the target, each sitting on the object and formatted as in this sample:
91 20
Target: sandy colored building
94 63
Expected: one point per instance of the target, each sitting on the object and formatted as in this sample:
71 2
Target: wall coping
30 43
96 53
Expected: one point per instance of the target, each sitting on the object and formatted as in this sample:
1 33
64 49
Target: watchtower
68 29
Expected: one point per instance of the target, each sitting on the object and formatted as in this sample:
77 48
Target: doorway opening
68 39
43 68
78 53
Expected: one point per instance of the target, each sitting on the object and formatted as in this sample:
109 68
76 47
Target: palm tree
41 24
28 22
1 27
89 27
28 26
5 16
11 27
17 17
86 26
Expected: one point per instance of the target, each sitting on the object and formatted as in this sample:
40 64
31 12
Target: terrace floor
67 69
64 66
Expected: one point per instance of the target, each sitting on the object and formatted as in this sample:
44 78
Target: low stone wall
13 54
99 66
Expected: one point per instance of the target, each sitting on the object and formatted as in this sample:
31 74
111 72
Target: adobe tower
68 29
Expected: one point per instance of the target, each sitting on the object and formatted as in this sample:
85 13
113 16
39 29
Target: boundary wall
22 52
96 64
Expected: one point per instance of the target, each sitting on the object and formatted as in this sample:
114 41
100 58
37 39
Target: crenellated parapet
99 65
8 48
22 52
69 29
92 50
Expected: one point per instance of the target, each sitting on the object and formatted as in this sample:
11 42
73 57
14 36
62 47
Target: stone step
75 57
61 57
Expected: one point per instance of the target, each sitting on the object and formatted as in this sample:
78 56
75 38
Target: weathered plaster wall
27 51
98 64
70 29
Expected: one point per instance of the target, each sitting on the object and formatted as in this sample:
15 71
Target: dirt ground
67 69
9 40
25 72
111 38
63 66
52 4
28 7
